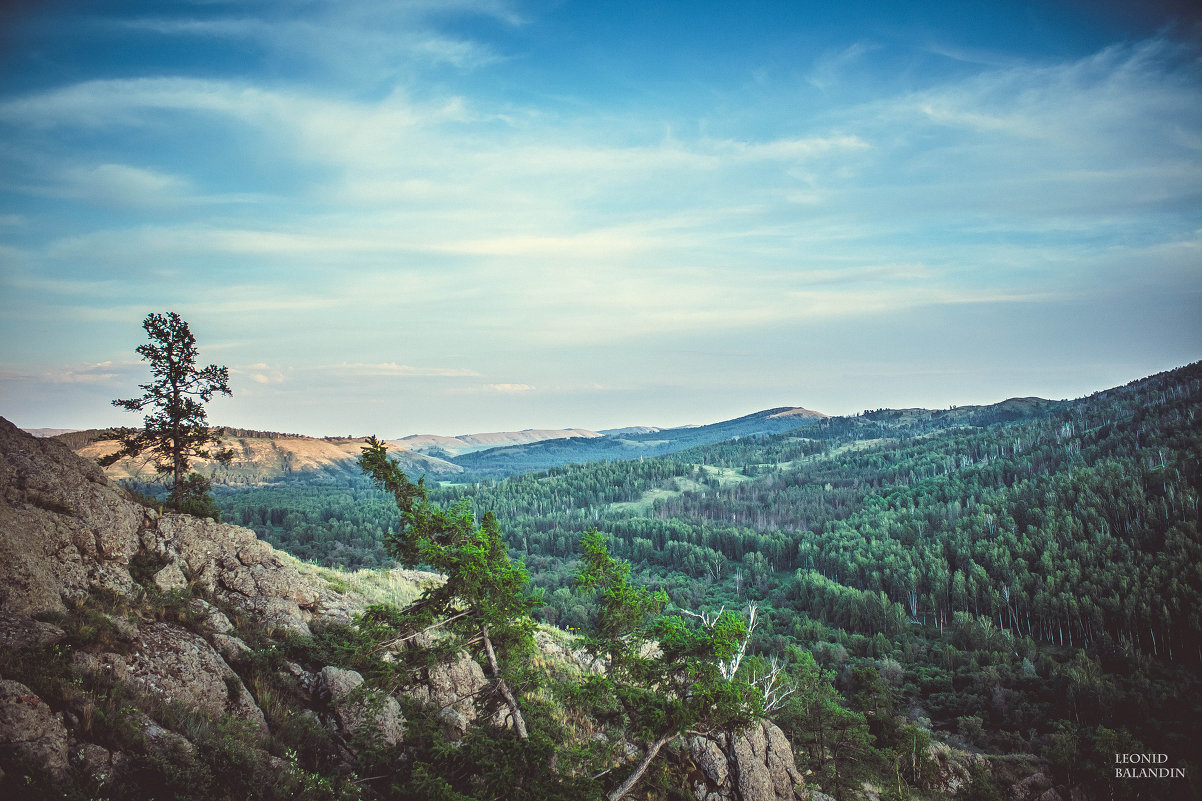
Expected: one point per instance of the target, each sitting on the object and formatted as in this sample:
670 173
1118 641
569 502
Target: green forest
1023 581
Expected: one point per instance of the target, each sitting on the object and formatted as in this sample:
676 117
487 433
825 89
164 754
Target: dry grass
398 586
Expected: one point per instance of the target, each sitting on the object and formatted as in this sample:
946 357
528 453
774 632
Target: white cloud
88 373
394 369
508 389
829 68
121 185
362 41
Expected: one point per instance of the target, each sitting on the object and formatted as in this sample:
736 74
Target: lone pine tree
175 430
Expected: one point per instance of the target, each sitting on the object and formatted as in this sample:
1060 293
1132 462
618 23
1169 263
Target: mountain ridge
438 445
266 456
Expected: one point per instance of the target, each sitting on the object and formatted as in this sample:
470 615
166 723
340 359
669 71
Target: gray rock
231 648
170 578
68 532
757 765
178 665
30 730
214 619
1030 788
239 569
108 663
56 510
361 712
710 757
164 741
17 632
92 759
953 768
453 686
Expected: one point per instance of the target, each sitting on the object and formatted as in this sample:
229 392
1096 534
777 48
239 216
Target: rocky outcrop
757 765
453 687
362 713
177 665
236 567
954 768
68 532
30 731
1032 788
68 535
18 632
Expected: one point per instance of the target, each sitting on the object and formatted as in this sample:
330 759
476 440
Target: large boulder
177 665
18 632
30 731
236 567
756 765
64 526
453 687
362 713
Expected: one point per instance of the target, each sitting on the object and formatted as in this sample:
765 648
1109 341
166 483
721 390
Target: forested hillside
1021 579
627 444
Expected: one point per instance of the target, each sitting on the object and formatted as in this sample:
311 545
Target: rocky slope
144 652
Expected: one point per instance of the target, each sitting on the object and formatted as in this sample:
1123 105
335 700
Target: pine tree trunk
519 723
625 787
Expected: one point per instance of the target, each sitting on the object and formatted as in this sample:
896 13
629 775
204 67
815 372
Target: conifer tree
485 602
175 431
669 675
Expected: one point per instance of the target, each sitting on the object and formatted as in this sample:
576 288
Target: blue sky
444 216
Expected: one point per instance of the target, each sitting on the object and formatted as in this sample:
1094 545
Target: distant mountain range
49 432
448 447
633 442
264 456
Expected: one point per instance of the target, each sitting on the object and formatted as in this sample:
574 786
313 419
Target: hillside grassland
260 457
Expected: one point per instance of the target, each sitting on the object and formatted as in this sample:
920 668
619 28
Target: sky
455 216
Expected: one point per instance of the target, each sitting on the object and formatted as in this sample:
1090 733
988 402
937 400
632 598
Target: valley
1021 580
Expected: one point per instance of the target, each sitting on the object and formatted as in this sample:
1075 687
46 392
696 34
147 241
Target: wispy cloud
363 189
363 41
828 69
508 389
98 373
261 373
120 185
394 369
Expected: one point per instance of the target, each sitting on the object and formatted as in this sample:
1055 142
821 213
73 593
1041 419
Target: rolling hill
448 447
262 457
629 443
